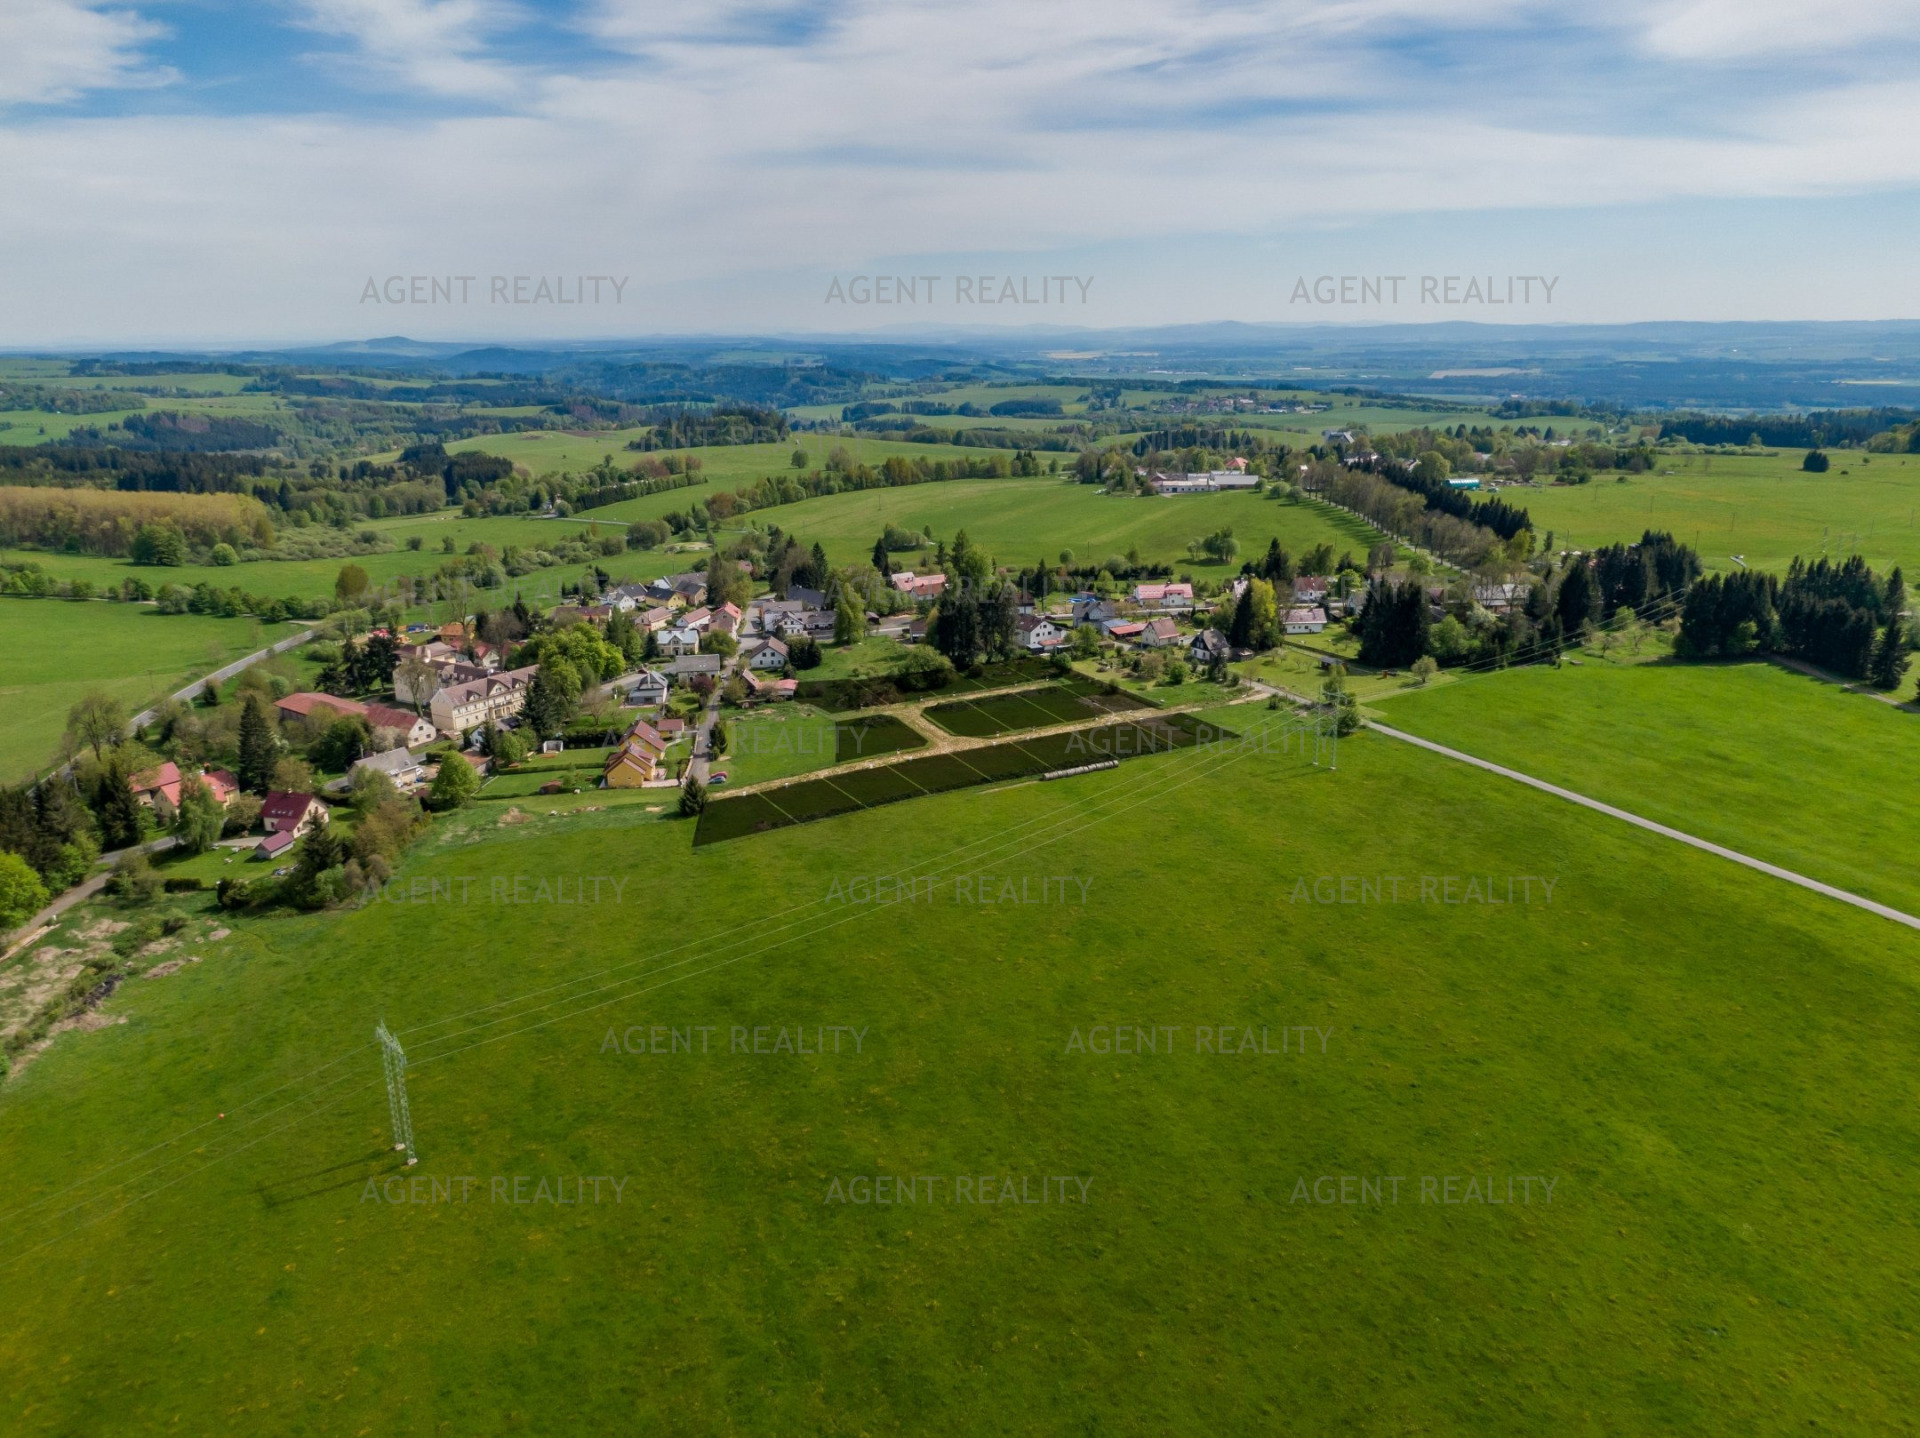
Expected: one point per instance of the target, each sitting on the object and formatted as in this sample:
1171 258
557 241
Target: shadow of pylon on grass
288 1190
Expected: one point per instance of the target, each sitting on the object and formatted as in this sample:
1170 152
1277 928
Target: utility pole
393 1059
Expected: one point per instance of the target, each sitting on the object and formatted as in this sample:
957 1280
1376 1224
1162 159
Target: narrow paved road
83 890
699 765
1734 854
220 676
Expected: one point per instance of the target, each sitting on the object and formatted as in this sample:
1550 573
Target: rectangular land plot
821 798
1029 709
873 736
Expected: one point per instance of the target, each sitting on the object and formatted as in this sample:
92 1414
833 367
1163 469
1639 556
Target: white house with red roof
1172 596
290 813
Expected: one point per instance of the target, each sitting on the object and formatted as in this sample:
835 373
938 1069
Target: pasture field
1708 749
1765 509
310 578
722 466
39 427
1020 521
55 650
1713 1069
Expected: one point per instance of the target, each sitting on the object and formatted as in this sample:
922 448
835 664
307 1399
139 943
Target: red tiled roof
164 780
280 804
385 716
305 704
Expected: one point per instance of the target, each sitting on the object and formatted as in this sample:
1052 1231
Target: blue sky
201 171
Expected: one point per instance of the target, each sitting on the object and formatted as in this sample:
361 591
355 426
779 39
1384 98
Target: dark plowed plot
841 695
1029 709
873 736
809 799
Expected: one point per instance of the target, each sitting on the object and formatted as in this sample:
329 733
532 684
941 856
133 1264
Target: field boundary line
1845 896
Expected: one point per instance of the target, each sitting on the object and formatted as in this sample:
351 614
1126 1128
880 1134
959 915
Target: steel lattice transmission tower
393 1059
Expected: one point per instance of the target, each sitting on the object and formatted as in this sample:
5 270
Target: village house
678 640
289 813
918 586
697 619
763 690
413 730
727 620
690 589
1309 588
1171 597
688 666
166 781
1209 647
649 687
476 703
767 654
1092 609
626 597
652 621
400 765
1305 621
640 759
1125 631
1500 598
1158 633
434 651
1037 632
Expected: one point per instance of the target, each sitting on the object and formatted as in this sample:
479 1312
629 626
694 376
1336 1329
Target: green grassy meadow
1706 748
1020 521
1763 508
57 650
309 578
1713 1068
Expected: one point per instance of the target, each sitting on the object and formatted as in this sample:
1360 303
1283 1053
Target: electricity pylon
393 1059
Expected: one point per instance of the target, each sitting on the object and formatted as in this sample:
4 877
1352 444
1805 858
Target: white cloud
1708 30
890 132
56 50
438 46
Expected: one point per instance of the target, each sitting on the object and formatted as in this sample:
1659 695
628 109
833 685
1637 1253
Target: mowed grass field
53 651
1713 1068
1780 766
1765 509
1021 521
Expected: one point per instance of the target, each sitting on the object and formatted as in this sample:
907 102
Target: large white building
460 708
